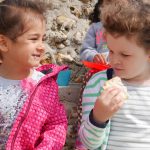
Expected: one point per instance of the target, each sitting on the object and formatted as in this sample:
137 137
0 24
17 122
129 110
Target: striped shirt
129 128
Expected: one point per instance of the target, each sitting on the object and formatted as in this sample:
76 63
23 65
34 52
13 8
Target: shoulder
99 75
97 79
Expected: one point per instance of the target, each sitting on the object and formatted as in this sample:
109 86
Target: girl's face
26 52
128 60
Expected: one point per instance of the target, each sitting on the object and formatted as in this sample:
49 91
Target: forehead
122 43
31 18
33 25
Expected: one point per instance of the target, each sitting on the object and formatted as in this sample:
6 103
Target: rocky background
67 24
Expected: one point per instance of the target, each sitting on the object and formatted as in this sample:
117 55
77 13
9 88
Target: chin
35 65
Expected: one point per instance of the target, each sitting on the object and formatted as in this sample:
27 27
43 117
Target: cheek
134 65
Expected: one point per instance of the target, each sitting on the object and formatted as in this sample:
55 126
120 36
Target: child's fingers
97 59
117 105
100 58
109 93
116 99
103 59
107 104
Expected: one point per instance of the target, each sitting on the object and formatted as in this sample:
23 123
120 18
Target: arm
55 128
55 134
88 50
92 135
107 103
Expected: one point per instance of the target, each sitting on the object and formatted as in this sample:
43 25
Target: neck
14 73
145 82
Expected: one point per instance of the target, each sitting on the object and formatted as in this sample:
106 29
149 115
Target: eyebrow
123 51
36 34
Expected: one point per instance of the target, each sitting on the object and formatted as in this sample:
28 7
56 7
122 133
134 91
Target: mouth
36 56
118 69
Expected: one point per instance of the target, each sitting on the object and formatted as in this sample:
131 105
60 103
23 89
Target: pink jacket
41 123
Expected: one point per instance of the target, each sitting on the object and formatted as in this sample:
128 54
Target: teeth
36 57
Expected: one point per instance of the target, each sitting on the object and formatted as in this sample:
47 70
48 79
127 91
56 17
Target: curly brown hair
130 18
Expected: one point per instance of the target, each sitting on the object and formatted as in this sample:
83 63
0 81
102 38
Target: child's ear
3 43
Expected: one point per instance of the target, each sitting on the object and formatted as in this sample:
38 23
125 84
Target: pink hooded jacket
41 123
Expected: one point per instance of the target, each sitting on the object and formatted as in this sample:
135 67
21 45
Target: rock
59 37
65 23
67 42
86 10
63 1
74 10
85 1
78 38
60 46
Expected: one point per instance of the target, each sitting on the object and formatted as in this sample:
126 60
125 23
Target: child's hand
100 58
107 104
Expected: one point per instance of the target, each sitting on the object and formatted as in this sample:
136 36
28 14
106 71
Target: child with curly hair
109 122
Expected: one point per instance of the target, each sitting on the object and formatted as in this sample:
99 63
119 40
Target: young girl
31 116
94 47
109 122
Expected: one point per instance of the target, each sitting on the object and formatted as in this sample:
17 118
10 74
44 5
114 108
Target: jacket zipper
23 118
27 111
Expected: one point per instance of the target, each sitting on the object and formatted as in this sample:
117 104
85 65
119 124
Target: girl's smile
25 52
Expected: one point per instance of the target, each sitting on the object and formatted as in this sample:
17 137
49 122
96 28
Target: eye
125 55
33 39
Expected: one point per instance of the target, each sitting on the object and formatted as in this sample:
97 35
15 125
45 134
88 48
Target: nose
114 60
41 47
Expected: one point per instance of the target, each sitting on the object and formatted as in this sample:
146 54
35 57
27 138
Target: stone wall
67 24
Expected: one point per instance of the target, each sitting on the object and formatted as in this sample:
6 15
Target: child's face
28 49
128 60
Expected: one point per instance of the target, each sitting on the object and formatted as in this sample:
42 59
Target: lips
36 56
118 69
